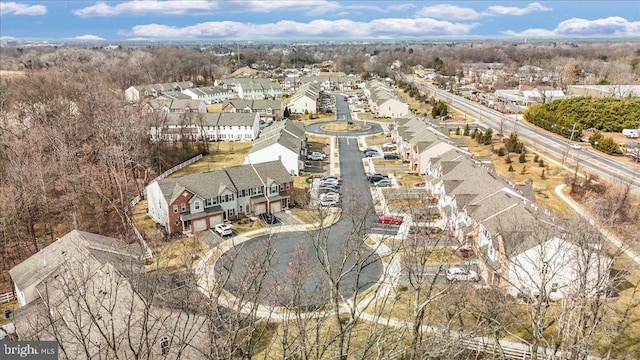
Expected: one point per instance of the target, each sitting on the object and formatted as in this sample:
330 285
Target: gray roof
287 133
212 183
76 245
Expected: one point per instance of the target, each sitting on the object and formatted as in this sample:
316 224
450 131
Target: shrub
511 169
457 131
541 163
536 158
542 175
508 160
524 170
522 158
501 152
466 130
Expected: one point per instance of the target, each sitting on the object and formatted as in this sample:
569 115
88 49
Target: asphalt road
588 160
295 268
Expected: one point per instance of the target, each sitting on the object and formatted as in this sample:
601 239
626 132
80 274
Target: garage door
276 206
260 209
214 220
199 225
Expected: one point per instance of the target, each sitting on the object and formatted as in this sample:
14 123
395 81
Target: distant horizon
315 20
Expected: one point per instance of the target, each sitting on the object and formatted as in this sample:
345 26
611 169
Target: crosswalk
347 137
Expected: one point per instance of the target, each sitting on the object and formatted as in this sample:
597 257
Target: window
240 210
164 345
196 205
209 202
231 212
287 186
175 209
545 268
273 189
183 207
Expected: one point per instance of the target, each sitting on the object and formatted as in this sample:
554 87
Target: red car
390 219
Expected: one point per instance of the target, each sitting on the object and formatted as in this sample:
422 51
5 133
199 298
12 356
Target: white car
576 146
329 182
223 229
458 273
331 196
327 202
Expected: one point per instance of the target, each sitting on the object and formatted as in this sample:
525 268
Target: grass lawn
410 181
146 225
532 174
222 154
345 127
11 305
180 254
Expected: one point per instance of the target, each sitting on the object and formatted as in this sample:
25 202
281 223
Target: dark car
376 177
269 218
391 156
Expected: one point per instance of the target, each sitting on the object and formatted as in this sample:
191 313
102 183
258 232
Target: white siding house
284 141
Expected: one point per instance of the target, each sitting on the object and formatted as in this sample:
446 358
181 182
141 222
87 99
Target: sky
315 19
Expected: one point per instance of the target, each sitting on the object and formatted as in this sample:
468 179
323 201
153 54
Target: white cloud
21 9
401 7
580 27
531 33
453 12
379 28
203 7
88 37
609 26
7 38
516 11
144 7
446 11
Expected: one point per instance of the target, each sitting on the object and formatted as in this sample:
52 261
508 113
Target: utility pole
568 144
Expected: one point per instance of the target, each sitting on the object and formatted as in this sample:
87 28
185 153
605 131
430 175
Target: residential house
620 91
384 102
417 142
200 201
331 82
175 106
284 141
252 88
209 94
305 99
87 292
500 225
140 92
269 110
209 126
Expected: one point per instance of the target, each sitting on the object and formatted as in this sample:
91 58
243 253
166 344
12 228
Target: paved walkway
606 233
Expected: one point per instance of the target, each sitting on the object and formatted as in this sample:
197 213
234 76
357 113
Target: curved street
300 268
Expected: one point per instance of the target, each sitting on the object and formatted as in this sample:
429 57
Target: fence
6 297
147 251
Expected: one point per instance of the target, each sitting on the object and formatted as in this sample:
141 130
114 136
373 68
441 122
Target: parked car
328 188
316 156
369 149
390 219
222 229
269 218
383 183
329 182
333 196
458 273
376 177
327 177
372 153
391 156
327 202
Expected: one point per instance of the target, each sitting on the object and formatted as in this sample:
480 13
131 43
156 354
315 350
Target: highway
588 160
